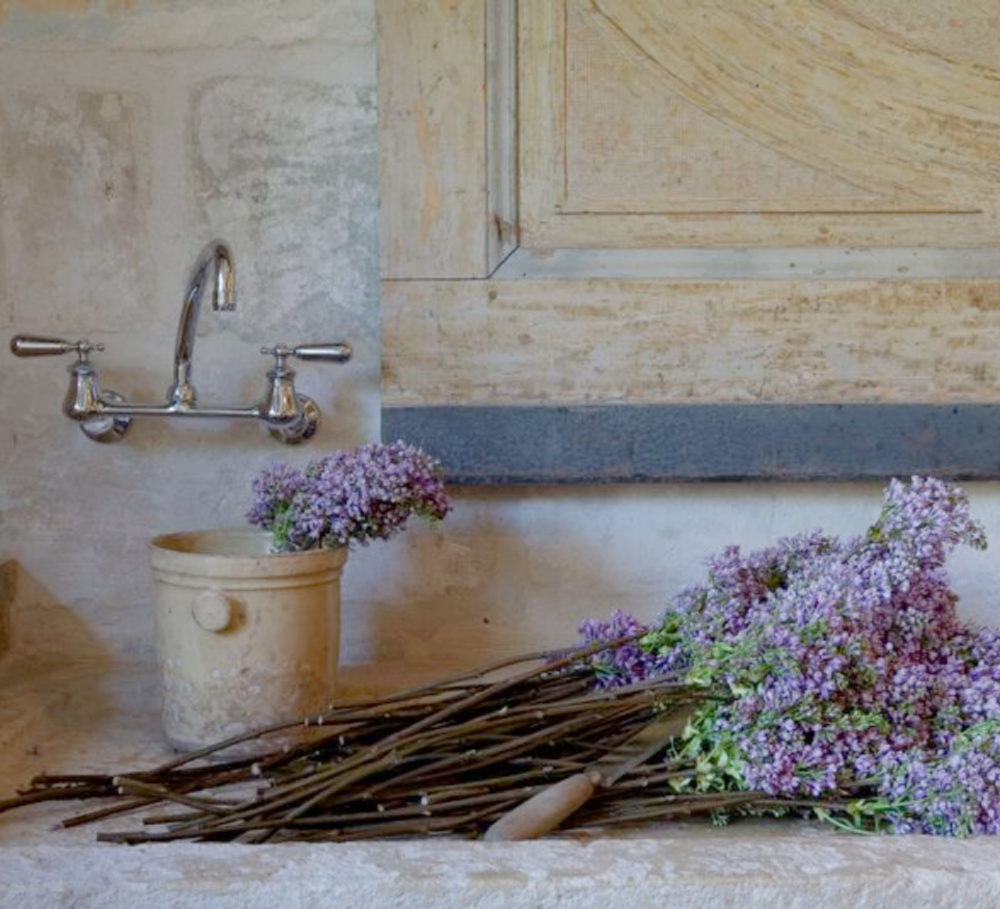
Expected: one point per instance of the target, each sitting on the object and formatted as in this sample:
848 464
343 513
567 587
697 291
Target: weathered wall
133 131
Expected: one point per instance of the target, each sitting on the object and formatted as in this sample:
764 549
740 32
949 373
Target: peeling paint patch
48 8
76 20
76 195
289 167
88 19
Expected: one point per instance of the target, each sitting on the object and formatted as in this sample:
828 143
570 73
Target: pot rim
221 552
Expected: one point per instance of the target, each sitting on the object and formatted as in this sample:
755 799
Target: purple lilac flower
850 671
348 496
624 664
273 491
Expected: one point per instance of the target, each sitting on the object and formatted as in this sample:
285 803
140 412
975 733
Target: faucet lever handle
35 346
334 351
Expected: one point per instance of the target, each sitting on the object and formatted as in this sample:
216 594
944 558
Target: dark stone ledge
480 445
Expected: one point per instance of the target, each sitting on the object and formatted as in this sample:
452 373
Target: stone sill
95 716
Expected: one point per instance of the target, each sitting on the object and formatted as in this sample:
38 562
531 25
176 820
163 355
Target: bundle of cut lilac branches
448 758
855 687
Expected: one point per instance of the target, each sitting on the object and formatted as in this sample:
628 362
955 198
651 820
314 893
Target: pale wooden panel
541 115
444 207
771 263
501 230
615 231
664 122
963 31
643 342
635 143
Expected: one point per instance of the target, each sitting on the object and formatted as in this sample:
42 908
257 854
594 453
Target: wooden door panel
606 223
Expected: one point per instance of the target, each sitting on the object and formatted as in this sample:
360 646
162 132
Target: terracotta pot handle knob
213 610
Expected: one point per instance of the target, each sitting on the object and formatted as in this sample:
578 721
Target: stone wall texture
134 131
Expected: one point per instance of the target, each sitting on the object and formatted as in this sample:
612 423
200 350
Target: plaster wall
133 131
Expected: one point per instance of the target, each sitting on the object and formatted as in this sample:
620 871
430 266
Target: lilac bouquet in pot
348 497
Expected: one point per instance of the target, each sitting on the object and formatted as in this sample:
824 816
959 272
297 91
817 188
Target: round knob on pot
213 610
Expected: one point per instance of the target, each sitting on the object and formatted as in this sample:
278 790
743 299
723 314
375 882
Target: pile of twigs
443 759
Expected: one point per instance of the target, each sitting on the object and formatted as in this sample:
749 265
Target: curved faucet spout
214 265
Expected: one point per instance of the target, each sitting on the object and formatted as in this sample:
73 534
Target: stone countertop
101 717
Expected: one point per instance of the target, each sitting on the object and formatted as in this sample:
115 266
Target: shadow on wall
8 578
34 624
53 678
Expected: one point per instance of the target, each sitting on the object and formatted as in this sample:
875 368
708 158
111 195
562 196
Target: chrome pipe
177 410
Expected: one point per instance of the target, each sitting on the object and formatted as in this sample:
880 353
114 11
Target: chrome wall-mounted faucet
106 416
214 265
